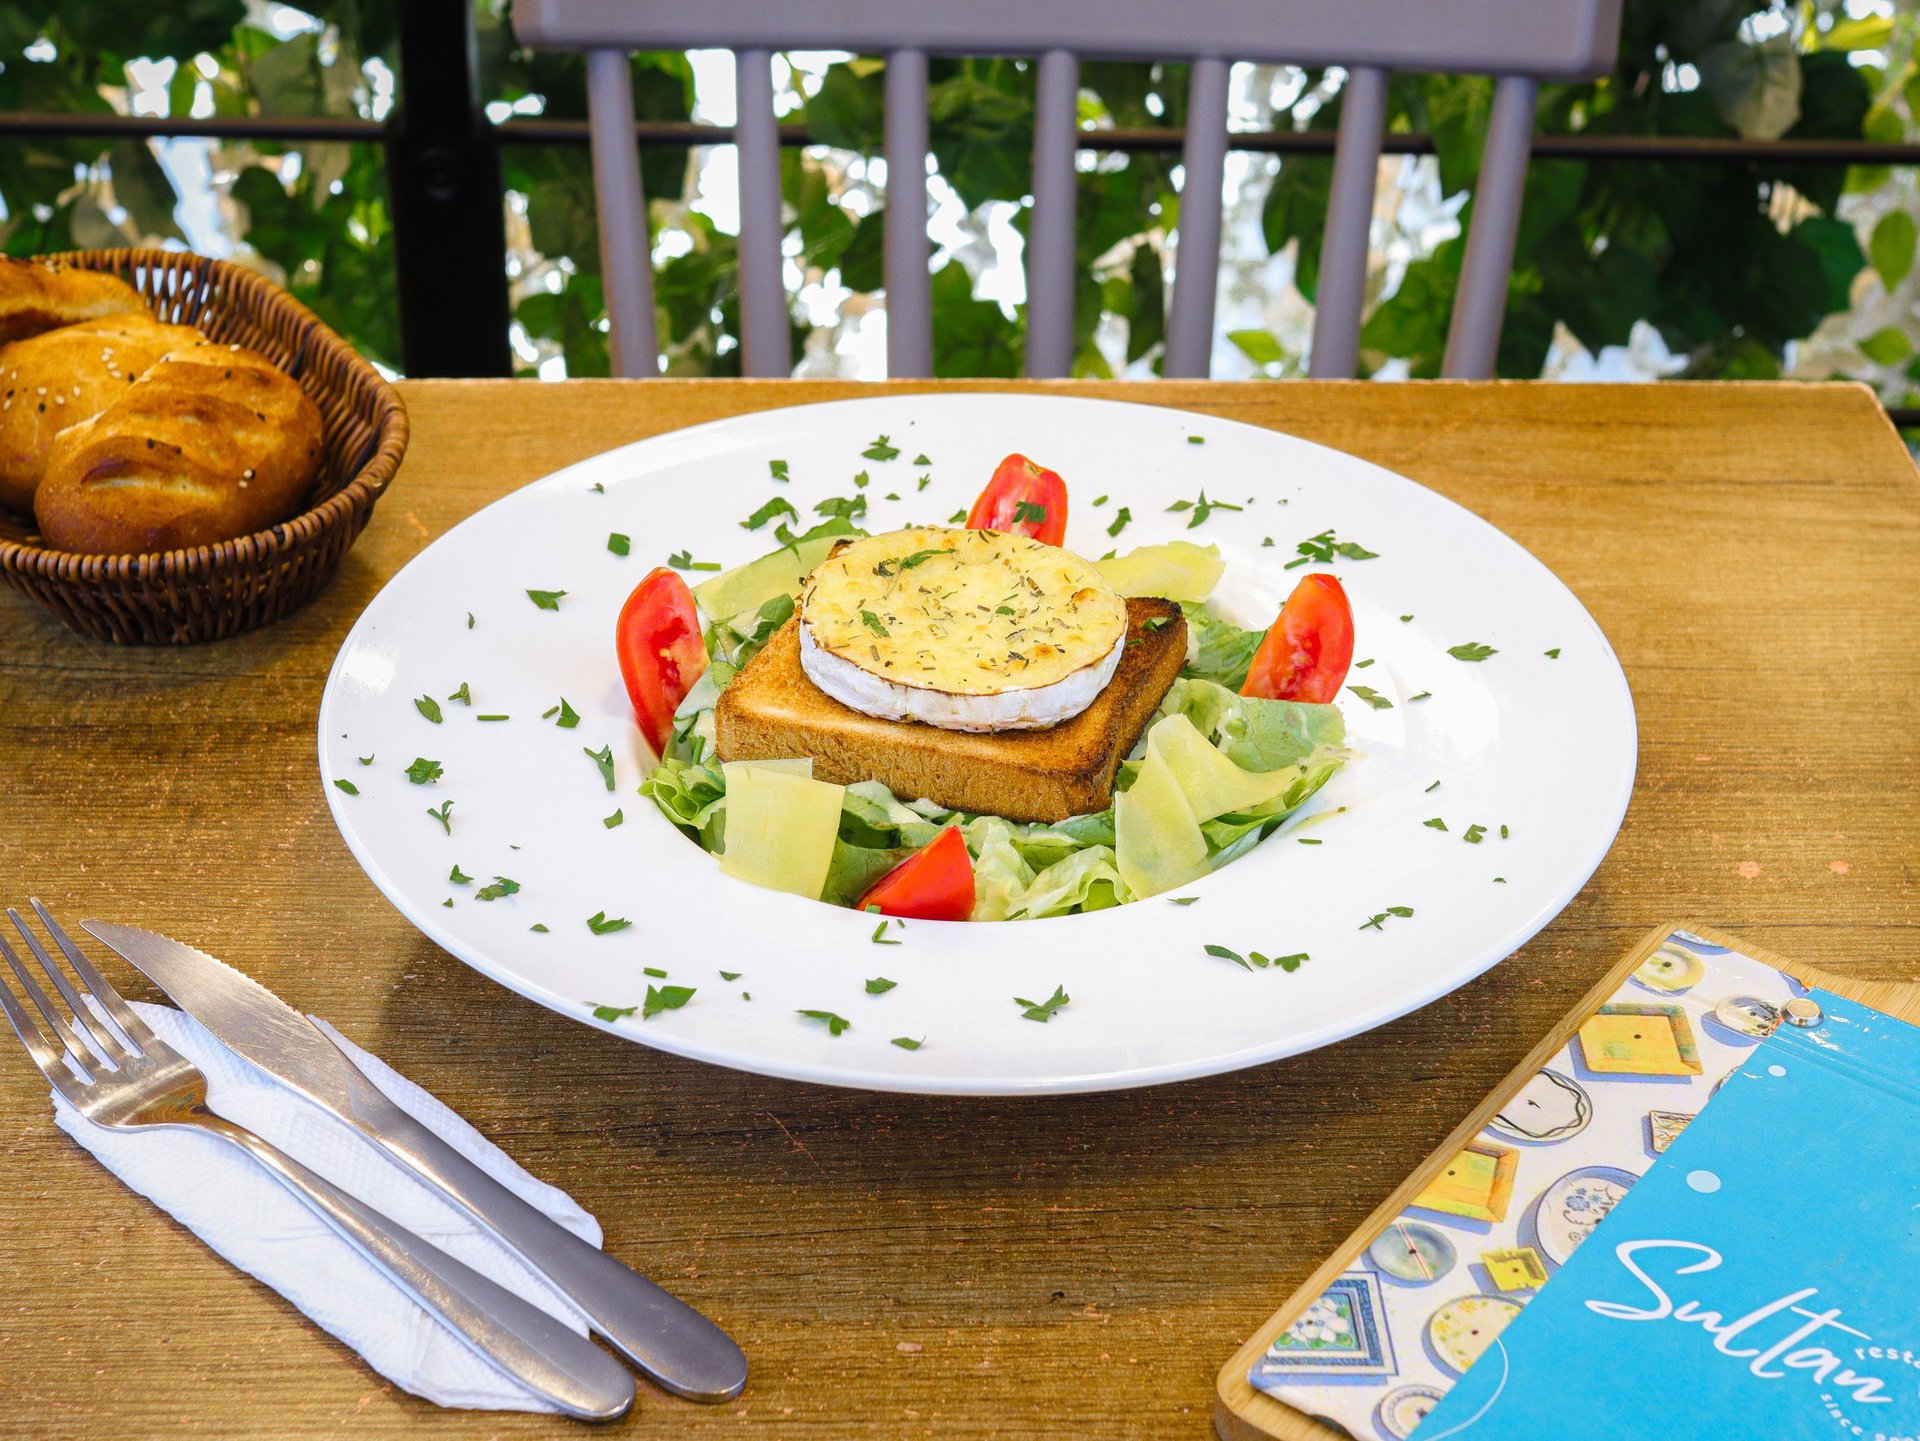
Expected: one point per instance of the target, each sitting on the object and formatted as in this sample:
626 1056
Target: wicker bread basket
209 591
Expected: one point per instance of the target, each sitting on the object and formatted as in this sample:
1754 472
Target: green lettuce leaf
1221 652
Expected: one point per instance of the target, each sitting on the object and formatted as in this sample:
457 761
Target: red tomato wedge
661 652
935 884
1307 650
1023 499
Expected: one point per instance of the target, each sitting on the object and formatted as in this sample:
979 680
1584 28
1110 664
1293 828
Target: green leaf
1886 346
1043 1011
972 337
1471 650
665 998
835 1024
424 772
348 786
1259 346
498 888
907 1043
613 1013
615 819
862 263
458 876
880 985
546 599
603 759
619 544
1756 85
1892 246
428 707
443 813
464 695
602 925
1371 696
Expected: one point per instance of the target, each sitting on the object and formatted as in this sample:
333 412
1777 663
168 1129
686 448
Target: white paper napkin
239 1210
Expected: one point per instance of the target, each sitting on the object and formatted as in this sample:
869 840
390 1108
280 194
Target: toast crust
773 710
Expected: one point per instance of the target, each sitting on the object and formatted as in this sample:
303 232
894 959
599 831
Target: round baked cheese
971 630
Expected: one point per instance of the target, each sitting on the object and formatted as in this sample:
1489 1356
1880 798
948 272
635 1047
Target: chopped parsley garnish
654 971
1309 841
546 599
1267 542
778 470
538 926
959 517
1553 654
463 695
1471 650
730 975
498 887
908 562
1226 954
1043 1011
348 786
1473 833
923 482
1196 440
613 820
880 938
907 1043
613 1013
428 707
1371 696
469 620
880 450
840 507
443 814
779 505
423 771
1405 618
603 758
458 876
893 495
1322 548
1154 622
872 622
1424 695
1432 788
665 998
1256 960
1181 900
1121 517
860 480
835 1024
601 924
1499 880
1363 664
620 544
599 489
1003 610
1027 512
683 560
1376 922
569 717
448 903
880 985
493 717
1202 508
364 760
1435 824
922 459
1503 833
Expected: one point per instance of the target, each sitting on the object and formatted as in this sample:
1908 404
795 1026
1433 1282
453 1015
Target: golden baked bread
37 296
62 377
211 443
771 710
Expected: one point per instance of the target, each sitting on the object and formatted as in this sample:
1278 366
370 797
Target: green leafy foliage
1711 255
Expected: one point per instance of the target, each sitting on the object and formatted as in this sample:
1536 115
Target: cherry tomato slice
934 884
1023 499
661 652
1307 650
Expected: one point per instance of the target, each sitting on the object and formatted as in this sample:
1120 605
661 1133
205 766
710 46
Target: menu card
1700 1219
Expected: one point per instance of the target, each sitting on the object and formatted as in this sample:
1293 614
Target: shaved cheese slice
781 827
1212 784
1157 842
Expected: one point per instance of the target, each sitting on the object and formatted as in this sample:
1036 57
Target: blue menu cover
1700 1220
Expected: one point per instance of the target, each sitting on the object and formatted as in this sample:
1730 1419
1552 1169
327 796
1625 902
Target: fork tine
83 1017
18 1014
46 1055
134 1031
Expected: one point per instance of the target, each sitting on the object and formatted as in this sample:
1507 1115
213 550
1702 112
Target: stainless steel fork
115 1071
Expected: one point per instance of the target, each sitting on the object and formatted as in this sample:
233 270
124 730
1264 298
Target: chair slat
1342 286
763 294
1050 270
909 285
626 262
1473 339
1197 251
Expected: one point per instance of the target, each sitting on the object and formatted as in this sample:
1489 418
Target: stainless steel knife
670 1342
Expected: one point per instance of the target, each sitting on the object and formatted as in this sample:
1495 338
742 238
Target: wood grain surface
897 1266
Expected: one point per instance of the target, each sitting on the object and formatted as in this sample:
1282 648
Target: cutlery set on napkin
360 1198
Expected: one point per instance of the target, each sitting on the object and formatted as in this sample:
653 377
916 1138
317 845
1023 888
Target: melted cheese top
968 612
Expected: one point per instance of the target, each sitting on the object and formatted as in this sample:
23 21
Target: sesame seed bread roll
210 443
37 296
51 381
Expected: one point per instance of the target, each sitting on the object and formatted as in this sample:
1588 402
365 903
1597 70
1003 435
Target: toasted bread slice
772 710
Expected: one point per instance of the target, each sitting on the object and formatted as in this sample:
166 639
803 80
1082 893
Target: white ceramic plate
1543 746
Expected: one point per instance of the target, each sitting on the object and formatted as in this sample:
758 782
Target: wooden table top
898 1266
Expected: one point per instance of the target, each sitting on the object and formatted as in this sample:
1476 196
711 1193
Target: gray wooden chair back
1520 42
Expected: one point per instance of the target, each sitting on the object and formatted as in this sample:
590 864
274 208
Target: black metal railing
445 191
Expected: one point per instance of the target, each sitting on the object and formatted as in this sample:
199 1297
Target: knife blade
666 1339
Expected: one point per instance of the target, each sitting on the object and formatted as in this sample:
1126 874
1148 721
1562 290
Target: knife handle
670 1342
516 1337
